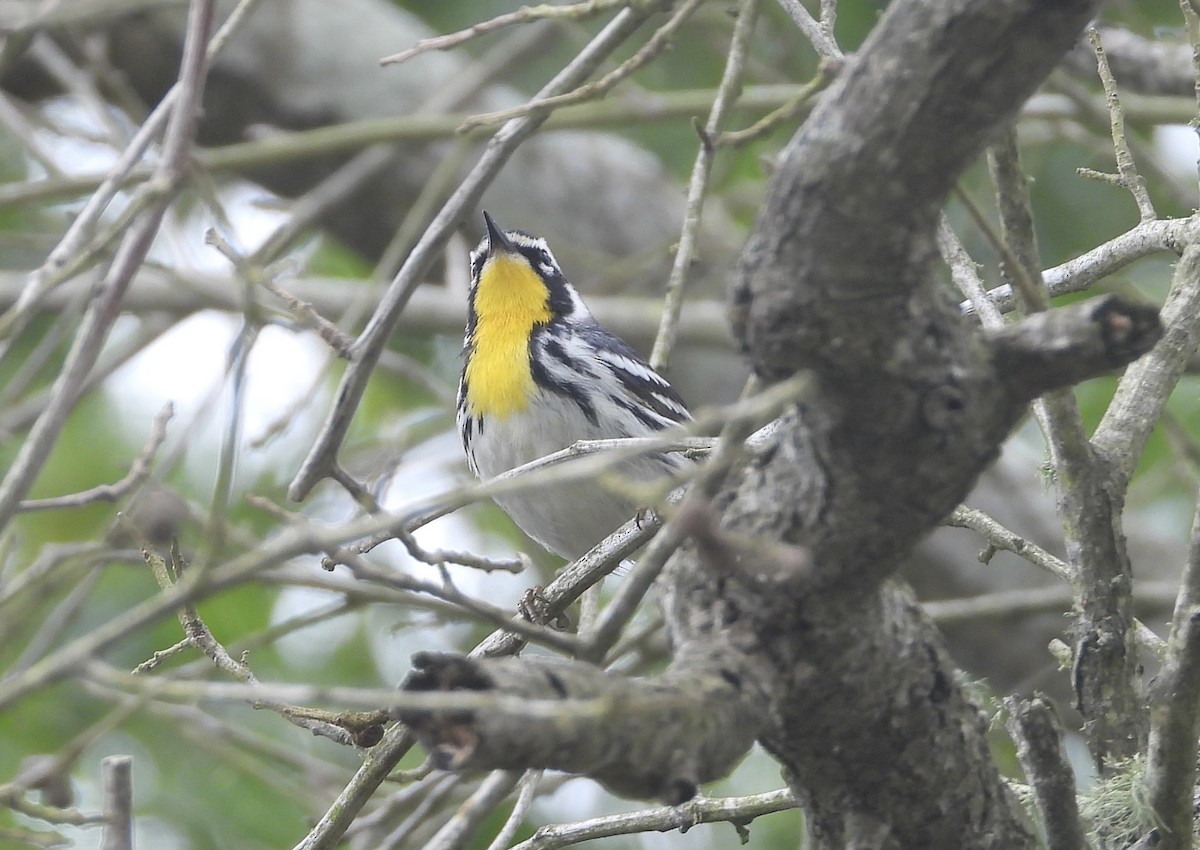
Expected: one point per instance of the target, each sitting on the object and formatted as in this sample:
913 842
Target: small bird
539 374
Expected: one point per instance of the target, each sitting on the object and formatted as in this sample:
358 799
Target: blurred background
319 169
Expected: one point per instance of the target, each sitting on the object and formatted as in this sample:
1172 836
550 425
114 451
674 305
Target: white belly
570 517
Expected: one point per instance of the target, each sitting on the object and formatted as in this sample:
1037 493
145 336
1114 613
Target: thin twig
278 148
736 810
727 92
436 187
1022 283
59 619
786 114
13 797
332 190
160 655
138 471
1129 177
193 586
526 794
20 415
434 789
32 142
1006 604
820 33
389 700
79 85
964 272
524 15
999 537
1191 25
449 592
646 54
48 348
1084 271
433 309
199 636
441 557
461 828
1017 242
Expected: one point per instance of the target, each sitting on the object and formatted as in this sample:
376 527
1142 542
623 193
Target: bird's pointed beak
497 241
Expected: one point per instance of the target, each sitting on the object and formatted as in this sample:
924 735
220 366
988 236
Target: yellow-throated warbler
540 374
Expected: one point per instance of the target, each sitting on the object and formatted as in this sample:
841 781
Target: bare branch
1142 394
618 743
1106 665
1084 271
118 490
1175 714
1064 346
526 794
1129 178
117 779
646 54
737 810
999 537
819 33
459 830
524 15
727 92
1036 730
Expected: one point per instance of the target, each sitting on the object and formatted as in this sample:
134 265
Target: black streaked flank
544 377
553 346
640 412
641 381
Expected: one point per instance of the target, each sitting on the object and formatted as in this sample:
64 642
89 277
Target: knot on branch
943 406
1066 345
1128 330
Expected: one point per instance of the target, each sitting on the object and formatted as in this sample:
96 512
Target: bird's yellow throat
510 301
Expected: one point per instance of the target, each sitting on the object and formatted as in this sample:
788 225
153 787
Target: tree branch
1035 728
1175 714
625 745
1059 348
117 779
1142 394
